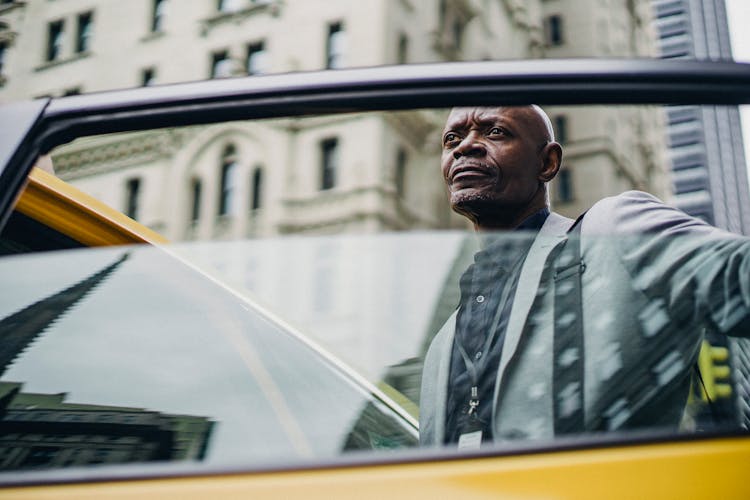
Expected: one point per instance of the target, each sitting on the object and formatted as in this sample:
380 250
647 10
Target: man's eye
497 131
450 138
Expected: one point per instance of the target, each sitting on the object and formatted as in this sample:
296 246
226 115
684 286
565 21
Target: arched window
195 200
399 174
256 188
132 197
228 182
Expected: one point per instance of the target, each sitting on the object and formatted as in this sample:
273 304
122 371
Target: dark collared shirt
491 278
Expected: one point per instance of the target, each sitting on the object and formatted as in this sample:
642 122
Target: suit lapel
552 232
444 367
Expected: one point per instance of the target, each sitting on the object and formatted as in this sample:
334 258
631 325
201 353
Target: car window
313 263
184 371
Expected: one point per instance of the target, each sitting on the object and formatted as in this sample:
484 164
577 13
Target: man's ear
551 161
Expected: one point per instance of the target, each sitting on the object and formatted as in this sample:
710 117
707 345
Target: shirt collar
535 221
495 246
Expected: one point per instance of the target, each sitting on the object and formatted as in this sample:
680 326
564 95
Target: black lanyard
475 369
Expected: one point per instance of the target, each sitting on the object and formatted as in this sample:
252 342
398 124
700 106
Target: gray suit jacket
651 272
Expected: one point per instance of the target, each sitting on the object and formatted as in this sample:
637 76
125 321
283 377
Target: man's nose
469 146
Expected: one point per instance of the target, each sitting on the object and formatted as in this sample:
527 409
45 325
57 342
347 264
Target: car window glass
316 258
184 371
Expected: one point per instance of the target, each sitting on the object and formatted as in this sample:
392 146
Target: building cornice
339 207
519 16
5 8
59 62
272 7
415 125
105 154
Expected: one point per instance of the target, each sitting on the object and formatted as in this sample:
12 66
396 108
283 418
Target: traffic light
713 362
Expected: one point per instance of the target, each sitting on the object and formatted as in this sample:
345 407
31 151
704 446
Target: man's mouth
467 172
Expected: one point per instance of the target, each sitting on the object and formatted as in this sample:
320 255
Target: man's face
492 158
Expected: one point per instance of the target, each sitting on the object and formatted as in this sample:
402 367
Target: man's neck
532 223
503 222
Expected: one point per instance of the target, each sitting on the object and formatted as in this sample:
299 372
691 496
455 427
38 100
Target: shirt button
480 298
478 355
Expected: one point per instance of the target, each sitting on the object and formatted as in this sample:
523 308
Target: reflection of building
343 173
709 172
20 329
42 430
708 162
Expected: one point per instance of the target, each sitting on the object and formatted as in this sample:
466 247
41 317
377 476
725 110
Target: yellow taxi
132 366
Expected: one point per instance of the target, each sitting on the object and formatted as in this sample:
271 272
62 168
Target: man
569 334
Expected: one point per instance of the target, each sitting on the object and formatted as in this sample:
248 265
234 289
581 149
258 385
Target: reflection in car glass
341 301
129 355
186 371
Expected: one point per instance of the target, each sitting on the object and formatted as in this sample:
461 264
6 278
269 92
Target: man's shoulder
633 198
636 212
627 198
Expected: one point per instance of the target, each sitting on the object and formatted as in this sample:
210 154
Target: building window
230 5
673 8
3 51
228 182
565 193
328 163
561 128
686 136
195 196
147 77
676 47
402 54
132 195
157 15
335 46
41 456
553 30
83 35
399 174
221 65
257 59
256 188
55 33
442 12
458 33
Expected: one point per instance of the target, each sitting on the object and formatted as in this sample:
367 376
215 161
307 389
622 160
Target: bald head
546 122
496 163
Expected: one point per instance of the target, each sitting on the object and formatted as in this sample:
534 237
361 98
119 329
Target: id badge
470 440
471 437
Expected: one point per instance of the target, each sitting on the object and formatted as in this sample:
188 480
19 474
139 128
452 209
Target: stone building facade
350 173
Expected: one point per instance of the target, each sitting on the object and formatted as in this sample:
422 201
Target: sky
738 13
